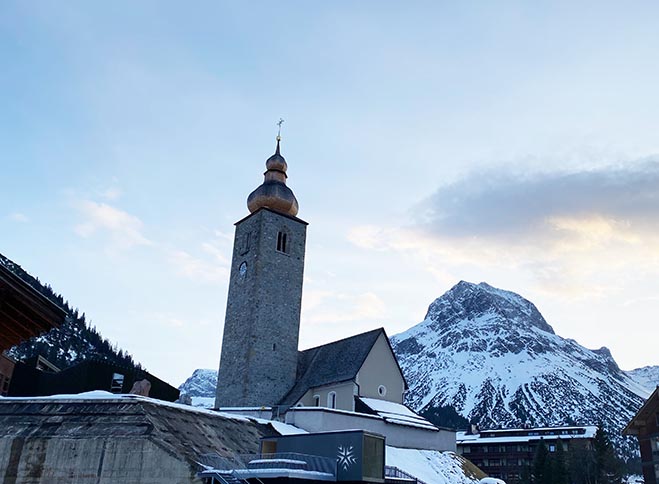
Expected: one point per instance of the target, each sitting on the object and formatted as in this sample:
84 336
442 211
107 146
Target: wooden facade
6 372
645 426
24 312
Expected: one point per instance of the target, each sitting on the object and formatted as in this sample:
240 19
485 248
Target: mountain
647 377
201 383
490 355
74 341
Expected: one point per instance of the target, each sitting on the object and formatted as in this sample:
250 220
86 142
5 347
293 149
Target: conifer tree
558 467
608 466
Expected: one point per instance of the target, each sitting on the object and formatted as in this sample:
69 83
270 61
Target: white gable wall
380 368
345 395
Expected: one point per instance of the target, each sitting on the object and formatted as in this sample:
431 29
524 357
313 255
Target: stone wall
261 329
122 439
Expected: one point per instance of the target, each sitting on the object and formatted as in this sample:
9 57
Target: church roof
331 363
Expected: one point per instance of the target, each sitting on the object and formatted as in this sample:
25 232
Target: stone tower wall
261 329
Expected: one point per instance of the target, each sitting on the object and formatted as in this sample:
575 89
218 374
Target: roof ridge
344 339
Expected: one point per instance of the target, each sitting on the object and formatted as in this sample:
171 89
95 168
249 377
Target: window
382 390
316 400
282 242
274 346
552 448
4 385
117 383
331 399
244 247
654 444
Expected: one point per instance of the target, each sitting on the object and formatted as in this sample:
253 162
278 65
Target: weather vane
279 123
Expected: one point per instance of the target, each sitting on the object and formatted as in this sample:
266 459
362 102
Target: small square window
117 383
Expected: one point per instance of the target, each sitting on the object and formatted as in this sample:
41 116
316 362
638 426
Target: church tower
261 329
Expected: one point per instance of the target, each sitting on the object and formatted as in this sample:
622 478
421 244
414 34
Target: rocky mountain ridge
647 377
201 383
490 355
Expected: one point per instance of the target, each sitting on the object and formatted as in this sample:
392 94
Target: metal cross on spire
279 123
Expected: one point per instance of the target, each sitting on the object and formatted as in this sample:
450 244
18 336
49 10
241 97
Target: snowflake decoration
345 457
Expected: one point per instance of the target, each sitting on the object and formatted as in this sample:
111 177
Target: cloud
19 217
123 229
211 265
502 204
578 234
111 193
192 267
321 307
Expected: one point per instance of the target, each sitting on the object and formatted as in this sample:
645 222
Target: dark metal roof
331 363
644 415
24 312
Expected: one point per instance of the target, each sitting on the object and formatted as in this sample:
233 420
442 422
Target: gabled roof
24 312
331 363
644 414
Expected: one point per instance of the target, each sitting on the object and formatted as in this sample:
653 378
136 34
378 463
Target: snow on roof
526 435
388 407
397 413
282 428
101 395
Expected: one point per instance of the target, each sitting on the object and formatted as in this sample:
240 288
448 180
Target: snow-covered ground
203 402
634 480
431 466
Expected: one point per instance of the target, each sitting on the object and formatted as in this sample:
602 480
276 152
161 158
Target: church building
352 383
260 362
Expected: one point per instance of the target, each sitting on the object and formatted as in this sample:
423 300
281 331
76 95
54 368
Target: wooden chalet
24 313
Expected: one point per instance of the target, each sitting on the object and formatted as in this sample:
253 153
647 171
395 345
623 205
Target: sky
427 143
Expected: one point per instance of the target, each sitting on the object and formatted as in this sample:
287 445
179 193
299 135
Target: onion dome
273 193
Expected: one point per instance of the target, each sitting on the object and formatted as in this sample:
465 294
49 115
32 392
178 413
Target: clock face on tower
243 268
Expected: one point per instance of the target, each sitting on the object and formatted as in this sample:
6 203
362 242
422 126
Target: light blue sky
428 142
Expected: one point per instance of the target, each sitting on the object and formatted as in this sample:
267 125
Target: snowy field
431 466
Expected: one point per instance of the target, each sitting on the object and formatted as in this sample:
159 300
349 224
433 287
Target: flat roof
526 435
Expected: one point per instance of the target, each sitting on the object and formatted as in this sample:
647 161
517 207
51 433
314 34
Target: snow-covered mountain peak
482 301
201 383
490 355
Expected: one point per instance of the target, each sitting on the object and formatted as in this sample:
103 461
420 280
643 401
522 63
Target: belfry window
282 242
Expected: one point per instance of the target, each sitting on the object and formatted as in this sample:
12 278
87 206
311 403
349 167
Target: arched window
331 399
316 400
282 242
